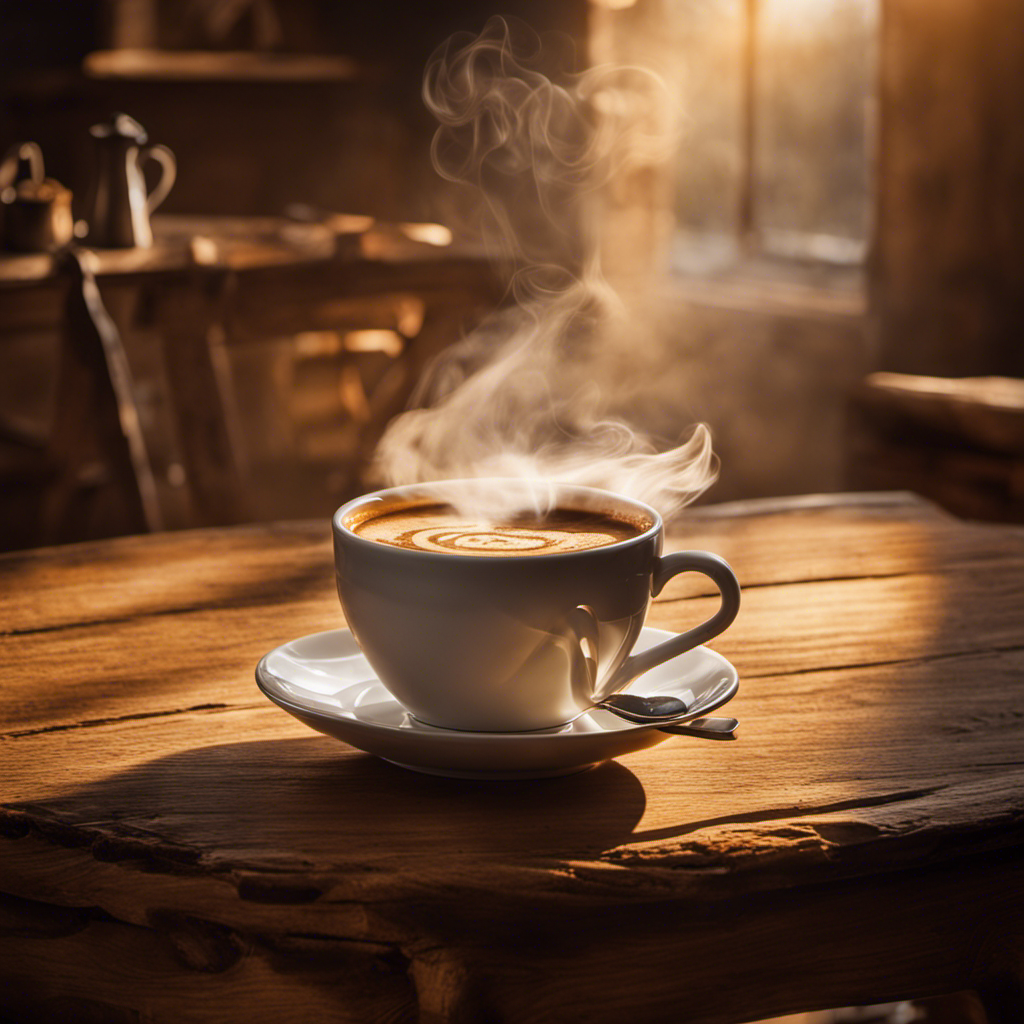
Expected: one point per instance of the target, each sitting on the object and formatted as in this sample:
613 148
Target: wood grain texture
176 848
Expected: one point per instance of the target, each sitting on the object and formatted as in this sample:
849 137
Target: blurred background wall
847 194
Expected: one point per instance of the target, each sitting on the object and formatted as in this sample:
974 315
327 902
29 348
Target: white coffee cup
508 644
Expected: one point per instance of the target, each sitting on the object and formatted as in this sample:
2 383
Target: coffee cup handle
668 566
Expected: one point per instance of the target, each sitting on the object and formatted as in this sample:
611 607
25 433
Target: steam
526 394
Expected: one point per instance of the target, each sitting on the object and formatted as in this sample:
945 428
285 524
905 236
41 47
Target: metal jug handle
27 151
165 158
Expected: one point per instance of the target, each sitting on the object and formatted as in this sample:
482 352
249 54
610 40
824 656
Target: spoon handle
706 728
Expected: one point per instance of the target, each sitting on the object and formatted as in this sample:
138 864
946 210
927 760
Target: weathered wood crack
780 813
110 842
274 598
923 659
91 723
845 578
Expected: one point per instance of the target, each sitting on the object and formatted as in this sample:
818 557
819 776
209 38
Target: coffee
439 528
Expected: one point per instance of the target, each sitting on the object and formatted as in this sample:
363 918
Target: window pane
708 37
814 83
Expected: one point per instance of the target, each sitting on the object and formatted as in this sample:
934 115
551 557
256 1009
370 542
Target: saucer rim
432 733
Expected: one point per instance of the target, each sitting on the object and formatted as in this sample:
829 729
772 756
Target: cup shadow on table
313 801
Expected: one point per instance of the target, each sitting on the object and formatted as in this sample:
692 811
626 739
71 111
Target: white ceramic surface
509 644
325 681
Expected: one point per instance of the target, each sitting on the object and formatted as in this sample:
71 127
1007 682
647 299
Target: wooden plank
790 540
988 411
226 66
960 442
135 577
457 972
354 261
269 301
87 966
947 289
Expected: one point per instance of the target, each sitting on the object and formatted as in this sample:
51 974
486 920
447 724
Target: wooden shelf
216 66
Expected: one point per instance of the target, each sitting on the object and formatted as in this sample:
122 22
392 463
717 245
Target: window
776 102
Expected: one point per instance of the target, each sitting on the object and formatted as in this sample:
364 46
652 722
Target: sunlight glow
809 16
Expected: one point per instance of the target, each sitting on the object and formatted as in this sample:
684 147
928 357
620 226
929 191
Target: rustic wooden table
175 848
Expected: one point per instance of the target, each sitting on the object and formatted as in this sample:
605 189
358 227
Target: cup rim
340 527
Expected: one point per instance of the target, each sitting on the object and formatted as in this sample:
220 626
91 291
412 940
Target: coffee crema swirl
501 540
439 529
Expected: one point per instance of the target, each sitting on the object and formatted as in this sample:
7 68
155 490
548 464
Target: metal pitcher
118 210
35 211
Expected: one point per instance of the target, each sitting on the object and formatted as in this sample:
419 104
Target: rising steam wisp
525 395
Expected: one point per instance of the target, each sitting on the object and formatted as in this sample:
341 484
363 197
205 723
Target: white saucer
326 683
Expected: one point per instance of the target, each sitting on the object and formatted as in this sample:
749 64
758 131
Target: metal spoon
705 728
635 708
663 712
